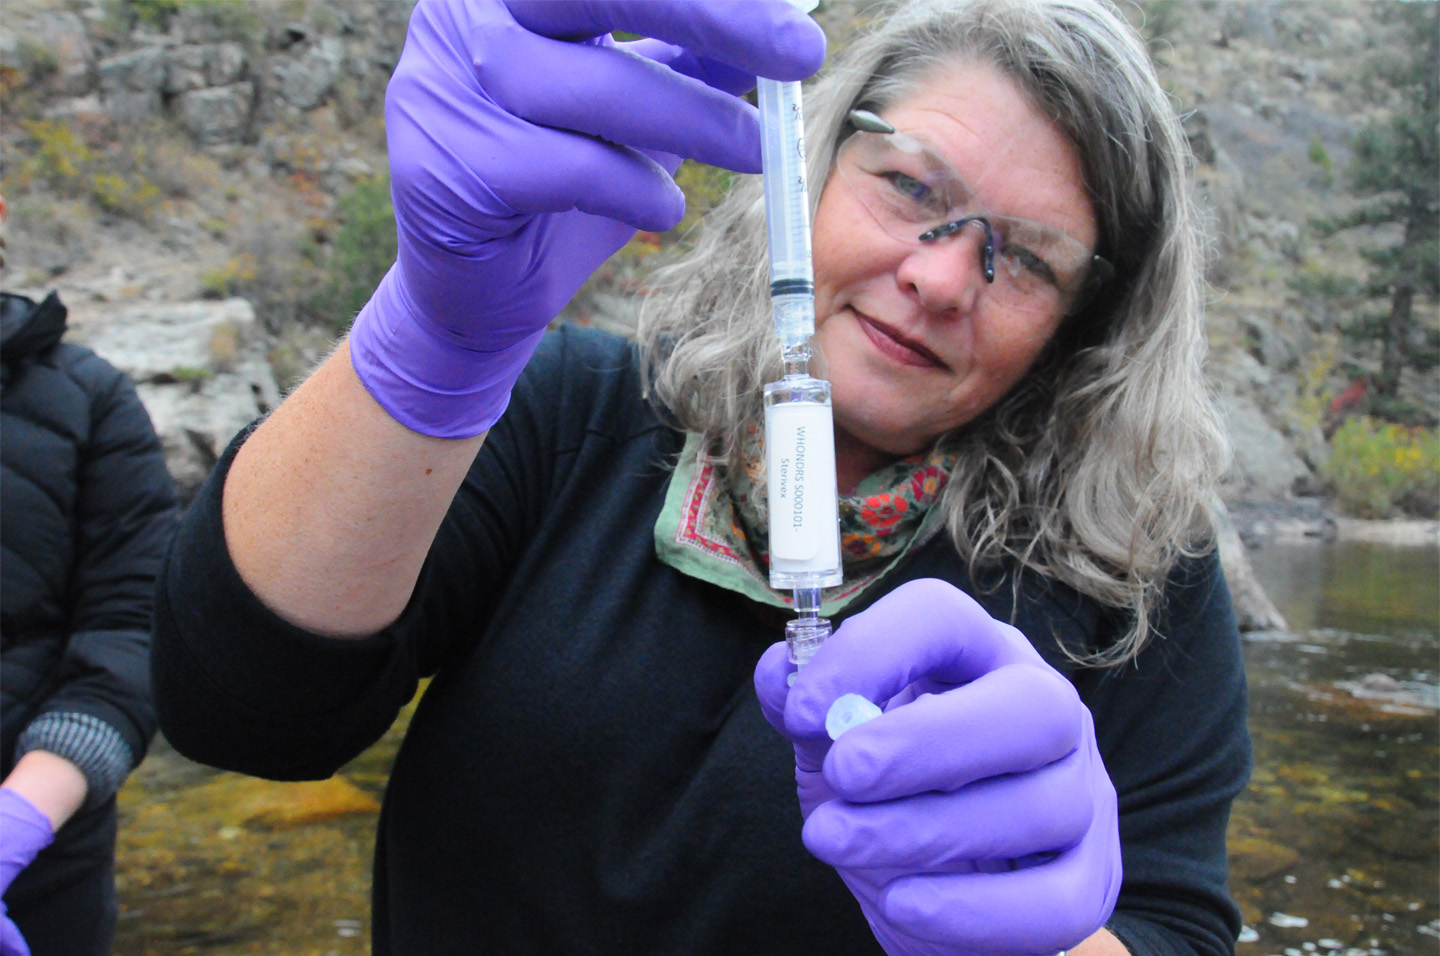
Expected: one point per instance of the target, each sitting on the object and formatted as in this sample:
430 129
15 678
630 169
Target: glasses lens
909 190
904 186
1039 260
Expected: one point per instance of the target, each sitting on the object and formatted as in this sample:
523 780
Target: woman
1021 430
86 512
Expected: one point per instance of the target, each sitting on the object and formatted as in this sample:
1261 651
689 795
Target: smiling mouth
892 343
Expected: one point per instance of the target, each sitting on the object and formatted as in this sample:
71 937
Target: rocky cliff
175 170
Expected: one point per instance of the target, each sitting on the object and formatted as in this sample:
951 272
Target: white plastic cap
849 710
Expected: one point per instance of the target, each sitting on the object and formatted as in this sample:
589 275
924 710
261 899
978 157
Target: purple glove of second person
525 148
11 942
974 815
24 832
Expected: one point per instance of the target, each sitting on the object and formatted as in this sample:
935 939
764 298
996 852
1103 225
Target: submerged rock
313 801
231 802
1388 695
1253 859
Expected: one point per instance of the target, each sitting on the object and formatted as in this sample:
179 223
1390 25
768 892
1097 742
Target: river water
1335 846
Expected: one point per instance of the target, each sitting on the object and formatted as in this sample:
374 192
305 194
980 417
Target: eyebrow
970 191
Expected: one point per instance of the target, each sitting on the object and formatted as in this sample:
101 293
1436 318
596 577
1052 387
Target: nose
947 273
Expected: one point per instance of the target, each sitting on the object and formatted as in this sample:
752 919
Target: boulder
217 114
200 368
227 64
185 68
130 84
305 81
1254 611
137 71
1265 467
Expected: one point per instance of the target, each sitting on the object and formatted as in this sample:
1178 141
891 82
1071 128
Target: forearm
331 505
1101 943
53 784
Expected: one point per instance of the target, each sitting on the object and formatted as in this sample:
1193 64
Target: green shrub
1324 166
61 159
37 62
704 187
232 278
117 194
1315 282
235 19
58 158
189 374
1380 469
1162 23
363 251
1312 380
155 14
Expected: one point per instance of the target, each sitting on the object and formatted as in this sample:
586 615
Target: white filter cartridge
804 520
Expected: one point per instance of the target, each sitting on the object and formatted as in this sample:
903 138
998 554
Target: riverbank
1311 519
1400 532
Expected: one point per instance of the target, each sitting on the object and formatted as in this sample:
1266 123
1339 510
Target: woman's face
914 341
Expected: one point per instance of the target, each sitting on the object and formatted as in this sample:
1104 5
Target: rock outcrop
200 368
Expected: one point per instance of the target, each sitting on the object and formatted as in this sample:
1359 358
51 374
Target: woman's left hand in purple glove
24 832
974 815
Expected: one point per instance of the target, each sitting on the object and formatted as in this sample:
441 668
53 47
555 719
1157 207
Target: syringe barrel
787 206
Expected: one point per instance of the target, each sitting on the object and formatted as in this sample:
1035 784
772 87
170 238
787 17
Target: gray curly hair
1098 469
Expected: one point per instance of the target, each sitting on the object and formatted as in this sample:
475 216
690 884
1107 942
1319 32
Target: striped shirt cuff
89 743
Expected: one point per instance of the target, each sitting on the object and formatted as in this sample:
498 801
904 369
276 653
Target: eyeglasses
916 196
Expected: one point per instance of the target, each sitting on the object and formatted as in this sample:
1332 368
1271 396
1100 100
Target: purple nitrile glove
526 147
24 832
974 815
11 942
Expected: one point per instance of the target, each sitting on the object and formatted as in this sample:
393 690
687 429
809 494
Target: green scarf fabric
715 526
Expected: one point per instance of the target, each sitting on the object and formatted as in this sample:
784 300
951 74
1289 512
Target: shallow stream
1335 846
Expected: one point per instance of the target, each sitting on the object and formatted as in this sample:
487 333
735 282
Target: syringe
799 427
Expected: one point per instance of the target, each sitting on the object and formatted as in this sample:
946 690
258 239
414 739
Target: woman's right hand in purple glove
526 147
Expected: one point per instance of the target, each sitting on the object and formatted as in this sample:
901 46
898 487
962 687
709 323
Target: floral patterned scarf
715 525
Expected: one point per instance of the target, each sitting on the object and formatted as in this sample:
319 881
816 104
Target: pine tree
1395 169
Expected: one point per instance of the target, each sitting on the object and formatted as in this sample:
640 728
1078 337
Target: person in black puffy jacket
86 511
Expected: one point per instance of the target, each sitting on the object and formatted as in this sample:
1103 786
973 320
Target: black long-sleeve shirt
589 771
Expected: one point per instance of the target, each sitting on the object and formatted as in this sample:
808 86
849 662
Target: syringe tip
804 636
